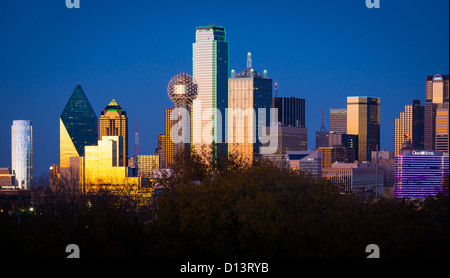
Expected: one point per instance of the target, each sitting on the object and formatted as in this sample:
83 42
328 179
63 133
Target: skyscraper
409 126
114 122
436 97
210 70
248 92
338 120
291 111
22 153
363 119
78 127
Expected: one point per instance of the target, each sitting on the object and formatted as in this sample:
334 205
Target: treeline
229 210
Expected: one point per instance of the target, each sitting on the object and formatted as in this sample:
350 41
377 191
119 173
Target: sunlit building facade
22 153
78 128
436 98
114 122
420 174
147 164
363 119
409 126
102 164
248 92
210 70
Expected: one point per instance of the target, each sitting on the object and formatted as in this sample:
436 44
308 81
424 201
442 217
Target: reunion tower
182 90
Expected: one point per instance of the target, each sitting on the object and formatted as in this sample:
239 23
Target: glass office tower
22 153
210 70
78 127
363 119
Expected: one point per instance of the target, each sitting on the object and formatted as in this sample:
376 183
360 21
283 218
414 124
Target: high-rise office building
210 70
436 97
78 128
22 153
363 119
248 92
114 122
338 120
442 134
291 111
166 146
161 150
409 126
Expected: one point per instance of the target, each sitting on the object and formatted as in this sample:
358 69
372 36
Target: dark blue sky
322 51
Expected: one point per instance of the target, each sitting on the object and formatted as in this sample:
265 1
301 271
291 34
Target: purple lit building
419 174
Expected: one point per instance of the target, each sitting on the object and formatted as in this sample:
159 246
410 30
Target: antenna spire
249 60
322 128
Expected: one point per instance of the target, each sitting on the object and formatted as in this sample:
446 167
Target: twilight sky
322 51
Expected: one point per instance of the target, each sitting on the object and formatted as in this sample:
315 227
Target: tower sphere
182 88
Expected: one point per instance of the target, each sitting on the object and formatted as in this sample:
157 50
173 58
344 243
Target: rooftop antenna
322 128
249 60
276 89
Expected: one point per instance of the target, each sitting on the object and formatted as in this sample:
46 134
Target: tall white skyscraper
22 152
210 70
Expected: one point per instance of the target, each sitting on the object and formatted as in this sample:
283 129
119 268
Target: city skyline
43 80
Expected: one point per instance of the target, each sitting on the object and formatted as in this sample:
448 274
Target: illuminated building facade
210 71
419 174
436 98
22 153
363 119
114 122
7 178
102 164
78 128
248 92
409 126
147 164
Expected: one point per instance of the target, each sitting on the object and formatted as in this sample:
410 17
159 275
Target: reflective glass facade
419 174
22 153
78 127
363 119
210 71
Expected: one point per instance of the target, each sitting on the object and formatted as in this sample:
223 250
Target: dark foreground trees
230 210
